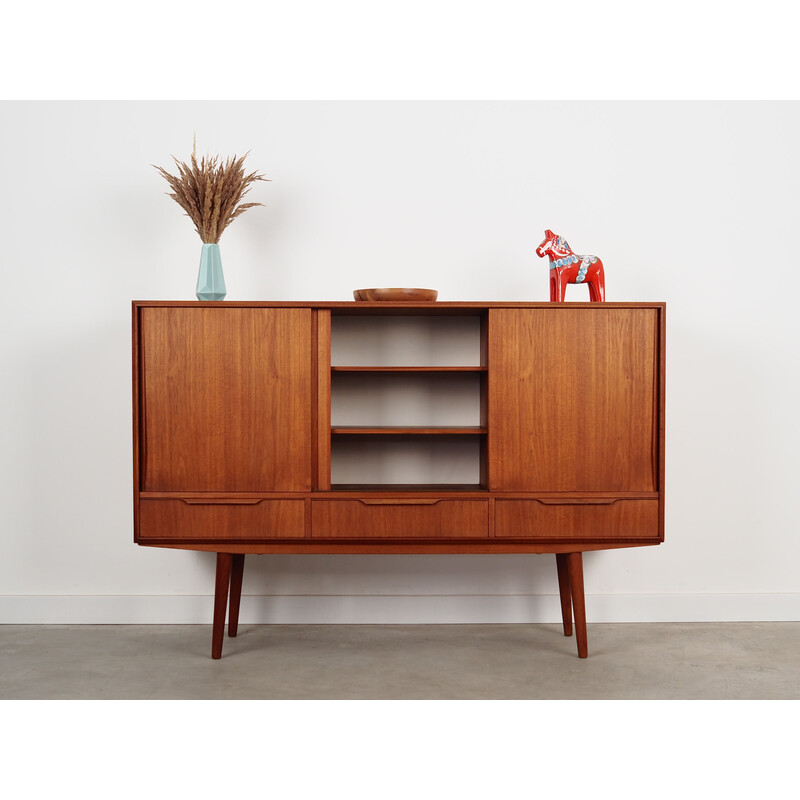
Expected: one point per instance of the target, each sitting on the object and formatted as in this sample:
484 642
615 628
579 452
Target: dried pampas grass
210 191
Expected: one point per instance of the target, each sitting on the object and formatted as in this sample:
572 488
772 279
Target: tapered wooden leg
564 591
220 602
575 568
237 572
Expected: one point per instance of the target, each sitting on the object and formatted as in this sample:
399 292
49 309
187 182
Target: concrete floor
750 660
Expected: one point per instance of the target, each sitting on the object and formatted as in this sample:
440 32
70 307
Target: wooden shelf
409 369
405 430
407 487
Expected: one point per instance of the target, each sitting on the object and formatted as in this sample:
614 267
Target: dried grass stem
210 191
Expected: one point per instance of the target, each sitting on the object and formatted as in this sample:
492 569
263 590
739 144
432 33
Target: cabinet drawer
399 519
212 518
602 519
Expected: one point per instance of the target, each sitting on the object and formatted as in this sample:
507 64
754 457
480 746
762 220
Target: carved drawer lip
221 497
218 519
403 518
601 519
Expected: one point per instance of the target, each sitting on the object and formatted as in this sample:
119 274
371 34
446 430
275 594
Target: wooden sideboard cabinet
361 427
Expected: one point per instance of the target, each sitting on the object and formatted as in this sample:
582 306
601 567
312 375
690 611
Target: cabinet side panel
226 396
572 399
662 388
137 411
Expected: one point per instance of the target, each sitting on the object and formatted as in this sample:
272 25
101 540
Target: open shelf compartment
380 460
408 402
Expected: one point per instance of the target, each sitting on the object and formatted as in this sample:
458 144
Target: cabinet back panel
226 399
406 399
406 460
416 341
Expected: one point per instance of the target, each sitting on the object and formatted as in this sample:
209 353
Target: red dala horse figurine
568 267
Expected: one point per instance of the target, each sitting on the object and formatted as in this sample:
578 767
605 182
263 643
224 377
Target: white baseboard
395 609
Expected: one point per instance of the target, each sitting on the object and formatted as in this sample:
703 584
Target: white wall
693 203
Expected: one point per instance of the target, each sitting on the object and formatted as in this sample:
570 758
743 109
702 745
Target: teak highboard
285 428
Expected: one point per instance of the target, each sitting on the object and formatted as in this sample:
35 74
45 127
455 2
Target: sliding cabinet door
225 399
573 399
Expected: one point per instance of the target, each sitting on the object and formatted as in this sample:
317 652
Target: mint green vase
210 280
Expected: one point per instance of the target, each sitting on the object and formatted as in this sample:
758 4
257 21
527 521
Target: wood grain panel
597 521
322 368
573 399
226 399
476 546
238 520
399 519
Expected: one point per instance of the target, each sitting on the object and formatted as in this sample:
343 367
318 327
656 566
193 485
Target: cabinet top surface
356 305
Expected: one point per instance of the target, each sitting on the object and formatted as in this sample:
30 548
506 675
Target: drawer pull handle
579 501
222 501
398 502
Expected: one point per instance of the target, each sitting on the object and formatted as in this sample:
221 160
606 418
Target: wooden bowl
395 295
